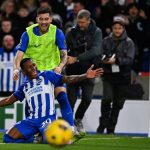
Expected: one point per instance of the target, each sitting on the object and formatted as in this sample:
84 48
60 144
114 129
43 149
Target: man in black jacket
84 46
118 54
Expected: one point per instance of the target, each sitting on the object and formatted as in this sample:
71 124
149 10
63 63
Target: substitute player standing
45 44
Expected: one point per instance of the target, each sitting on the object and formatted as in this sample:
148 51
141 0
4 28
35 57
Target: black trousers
86 87
113 101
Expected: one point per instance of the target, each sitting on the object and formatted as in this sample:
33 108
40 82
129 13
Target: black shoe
100 129
79 125
110 131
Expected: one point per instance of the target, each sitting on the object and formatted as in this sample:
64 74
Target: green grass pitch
89 142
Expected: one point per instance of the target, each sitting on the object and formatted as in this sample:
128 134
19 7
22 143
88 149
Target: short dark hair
23 61
84 14
6 19
47 1
44 10
79 1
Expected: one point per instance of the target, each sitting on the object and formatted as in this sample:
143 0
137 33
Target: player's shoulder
24 35
59 31
46 73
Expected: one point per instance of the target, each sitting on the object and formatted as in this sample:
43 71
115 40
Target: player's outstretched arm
88 75
8 101
17 60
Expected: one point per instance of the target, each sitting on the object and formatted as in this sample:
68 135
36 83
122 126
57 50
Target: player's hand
16 74
58 70
94 73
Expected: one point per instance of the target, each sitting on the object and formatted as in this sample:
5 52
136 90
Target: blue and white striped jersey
39 94
7 84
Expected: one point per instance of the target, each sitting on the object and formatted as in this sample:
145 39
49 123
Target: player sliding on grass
38 91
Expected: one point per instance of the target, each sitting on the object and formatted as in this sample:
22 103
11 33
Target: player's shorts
29 127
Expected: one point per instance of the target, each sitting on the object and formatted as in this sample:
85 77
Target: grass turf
89 142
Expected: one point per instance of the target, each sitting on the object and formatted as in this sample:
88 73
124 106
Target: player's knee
59 90
14 133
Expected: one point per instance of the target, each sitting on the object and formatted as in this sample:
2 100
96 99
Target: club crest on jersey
39 81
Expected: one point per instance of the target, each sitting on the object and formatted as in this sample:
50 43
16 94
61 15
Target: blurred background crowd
16 15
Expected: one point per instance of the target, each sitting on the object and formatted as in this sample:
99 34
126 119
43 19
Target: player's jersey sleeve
53 77
60 40
19 94
22 46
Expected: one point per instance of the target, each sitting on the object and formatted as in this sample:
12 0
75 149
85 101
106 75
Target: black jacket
125 50
85 45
